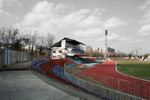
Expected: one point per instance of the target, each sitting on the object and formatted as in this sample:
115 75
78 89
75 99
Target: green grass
136 69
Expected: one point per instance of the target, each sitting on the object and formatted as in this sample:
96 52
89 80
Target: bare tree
8 37
89 51
50 40
96 53
31 39
46 42
42 41
121 54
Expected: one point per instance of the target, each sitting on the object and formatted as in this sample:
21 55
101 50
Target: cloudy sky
128 21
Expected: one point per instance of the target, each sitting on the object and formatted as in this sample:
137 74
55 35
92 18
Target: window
60 51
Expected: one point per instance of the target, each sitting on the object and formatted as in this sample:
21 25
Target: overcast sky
128 21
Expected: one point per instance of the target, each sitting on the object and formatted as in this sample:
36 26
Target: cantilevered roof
68 40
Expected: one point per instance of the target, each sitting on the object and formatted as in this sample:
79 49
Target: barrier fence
108 85
10 57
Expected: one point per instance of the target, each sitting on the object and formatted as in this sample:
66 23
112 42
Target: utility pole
106 33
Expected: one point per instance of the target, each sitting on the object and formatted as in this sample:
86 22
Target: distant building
26 45
110 51
97 50
67 47
93 52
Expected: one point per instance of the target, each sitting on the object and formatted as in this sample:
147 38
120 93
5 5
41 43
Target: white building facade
66 47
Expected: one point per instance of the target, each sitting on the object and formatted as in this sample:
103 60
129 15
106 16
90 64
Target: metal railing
99 88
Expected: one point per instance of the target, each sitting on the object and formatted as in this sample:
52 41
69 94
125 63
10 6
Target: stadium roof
68 40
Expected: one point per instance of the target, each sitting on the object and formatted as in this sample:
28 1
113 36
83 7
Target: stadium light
106 33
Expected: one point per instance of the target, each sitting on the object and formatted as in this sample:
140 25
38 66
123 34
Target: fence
103 88
10 57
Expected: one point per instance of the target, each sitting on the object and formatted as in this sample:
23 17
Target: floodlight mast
106 33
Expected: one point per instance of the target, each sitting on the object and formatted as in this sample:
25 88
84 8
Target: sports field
136 69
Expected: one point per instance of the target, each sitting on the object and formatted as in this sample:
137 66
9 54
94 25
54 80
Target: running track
107 75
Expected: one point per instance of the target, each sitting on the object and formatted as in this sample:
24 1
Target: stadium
74 50
100 76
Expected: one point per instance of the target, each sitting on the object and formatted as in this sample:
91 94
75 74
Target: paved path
20 66
24 85
16 84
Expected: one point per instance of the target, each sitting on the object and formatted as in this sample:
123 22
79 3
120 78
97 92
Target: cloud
113 22
145 28
146 8
145 5
117 39
45 17
12 2
4 3
146 17
1 6
110 37
92 33
85 25
2 12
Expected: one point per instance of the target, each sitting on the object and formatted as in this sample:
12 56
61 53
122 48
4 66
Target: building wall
110 49
64 49
58 52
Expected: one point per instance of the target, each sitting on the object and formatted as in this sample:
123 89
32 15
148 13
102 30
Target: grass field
136 69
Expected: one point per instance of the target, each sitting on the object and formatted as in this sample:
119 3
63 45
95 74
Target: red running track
107 75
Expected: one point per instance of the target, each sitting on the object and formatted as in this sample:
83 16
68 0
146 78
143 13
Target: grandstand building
67 47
